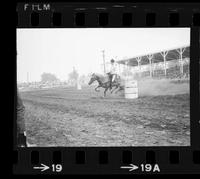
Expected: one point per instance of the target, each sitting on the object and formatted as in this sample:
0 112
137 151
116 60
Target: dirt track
69 117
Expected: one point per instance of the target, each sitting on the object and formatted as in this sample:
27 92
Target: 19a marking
150 168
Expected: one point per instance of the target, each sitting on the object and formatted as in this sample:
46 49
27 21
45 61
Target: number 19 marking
56 167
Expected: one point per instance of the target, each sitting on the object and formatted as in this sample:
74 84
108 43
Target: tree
48 77
73 77
83 79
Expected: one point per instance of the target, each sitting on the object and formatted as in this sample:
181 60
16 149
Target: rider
113 72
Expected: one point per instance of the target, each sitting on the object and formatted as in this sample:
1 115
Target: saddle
110 75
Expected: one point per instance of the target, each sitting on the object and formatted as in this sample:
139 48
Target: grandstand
171 63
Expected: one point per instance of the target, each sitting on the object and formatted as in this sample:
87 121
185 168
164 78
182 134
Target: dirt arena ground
71 117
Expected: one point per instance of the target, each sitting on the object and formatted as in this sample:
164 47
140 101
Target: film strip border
106 161
109 160
107 15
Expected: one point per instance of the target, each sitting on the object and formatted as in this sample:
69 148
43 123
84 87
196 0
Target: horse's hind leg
120 88
117 90
114 89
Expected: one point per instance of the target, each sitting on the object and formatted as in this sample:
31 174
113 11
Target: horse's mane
103 78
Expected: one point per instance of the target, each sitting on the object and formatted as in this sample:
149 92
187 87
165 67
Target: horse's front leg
105 92
97 88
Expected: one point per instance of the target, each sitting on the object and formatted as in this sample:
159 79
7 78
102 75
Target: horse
104 82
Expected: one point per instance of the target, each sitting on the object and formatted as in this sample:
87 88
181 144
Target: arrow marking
131 167
43 167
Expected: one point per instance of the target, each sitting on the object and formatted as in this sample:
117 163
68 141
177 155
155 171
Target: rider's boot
111 79
110 85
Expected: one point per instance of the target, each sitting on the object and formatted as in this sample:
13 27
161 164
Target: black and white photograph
103 87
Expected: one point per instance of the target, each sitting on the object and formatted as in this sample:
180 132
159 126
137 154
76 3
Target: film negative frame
108 160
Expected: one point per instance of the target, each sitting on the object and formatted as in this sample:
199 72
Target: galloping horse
104 82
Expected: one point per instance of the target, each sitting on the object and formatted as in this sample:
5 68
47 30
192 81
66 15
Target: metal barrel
131 89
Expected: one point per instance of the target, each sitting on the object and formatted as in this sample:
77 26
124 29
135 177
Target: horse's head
93 78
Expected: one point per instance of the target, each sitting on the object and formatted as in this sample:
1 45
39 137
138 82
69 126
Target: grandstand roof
157 57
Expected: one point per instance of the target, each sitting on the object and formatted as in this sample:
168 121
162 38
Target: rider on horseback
112 73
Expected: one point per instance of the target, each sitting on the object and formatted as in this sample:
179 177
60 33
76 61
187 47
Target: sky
58 50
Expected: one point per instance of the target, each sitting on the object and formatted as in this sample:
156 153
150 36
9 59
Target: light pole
104 65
